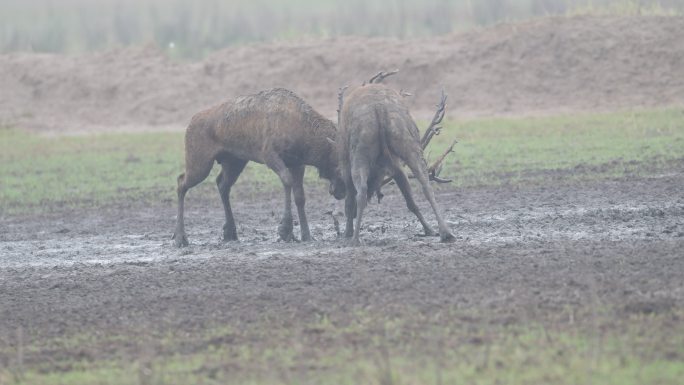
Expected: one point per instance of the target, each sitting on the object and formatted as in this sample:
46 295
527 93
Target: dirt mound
541 66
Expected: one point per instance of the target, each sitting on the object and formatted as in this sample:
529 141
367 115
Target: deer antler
380 76
433 129
340 101
436 167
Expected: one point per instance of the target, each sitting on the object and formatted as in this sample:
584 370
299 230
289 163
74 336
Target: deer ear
332 141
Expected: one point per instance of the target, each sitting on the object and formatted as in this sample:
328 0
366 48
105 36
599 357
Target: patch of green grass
572 147
47 173
82 170
40 172
380 349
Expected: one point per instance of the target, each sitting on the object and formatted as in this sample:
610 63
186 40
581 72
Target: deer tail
383 120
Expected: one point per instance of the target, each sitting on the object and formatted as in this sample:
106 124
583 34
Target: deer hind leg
360 173
300 200
405 188
230 171
419 168
285 228
197 168
349 202
350 210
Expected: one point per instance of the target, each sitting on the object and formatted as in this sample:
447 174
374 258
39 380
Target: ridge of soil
548 65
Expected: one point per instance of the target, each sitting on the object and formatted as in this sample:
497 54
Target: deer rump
376 140
377 136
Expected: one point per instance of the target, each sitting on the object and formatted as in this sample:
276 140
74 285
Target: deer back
375 118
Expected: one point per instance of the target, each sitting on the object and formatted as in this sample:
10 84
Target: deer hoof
288 238
285 230
285 235
354 242
430 232
229 234
447 238
229 237
180 240
308 238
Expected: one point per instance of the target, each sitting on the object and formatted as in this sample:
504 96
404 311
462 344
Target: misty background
192 29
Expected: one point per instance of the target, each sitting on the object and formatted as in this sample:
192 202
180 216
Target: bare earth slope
543 66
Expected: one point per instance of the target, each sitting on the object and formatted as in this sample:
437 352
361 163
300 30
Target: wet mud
522 253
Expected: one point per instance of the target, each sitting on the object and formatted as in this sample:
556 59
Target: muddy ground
523 255
549 253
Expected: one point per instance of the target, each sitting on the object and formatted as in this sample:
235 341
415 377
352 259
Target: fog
194 28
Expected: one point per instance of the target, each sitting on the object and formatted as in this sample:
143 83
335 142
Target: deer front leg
405 188
285 228
230 171
349 207
179 237
419 168
300 200
360 177
350 213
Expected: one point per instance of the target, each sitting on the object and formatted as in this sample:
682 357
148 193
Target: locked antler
434 129
436 167
380 76
340 101
404 93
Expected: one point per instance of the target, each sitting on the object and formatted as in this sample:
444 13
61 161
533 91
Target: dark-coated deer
376 135
274 127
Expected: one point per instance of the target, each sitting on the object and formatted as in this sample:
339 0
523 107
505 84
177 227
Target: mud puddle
523 217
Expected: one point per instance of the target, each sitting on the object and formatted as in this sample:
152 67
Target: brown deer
376 135
274 127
